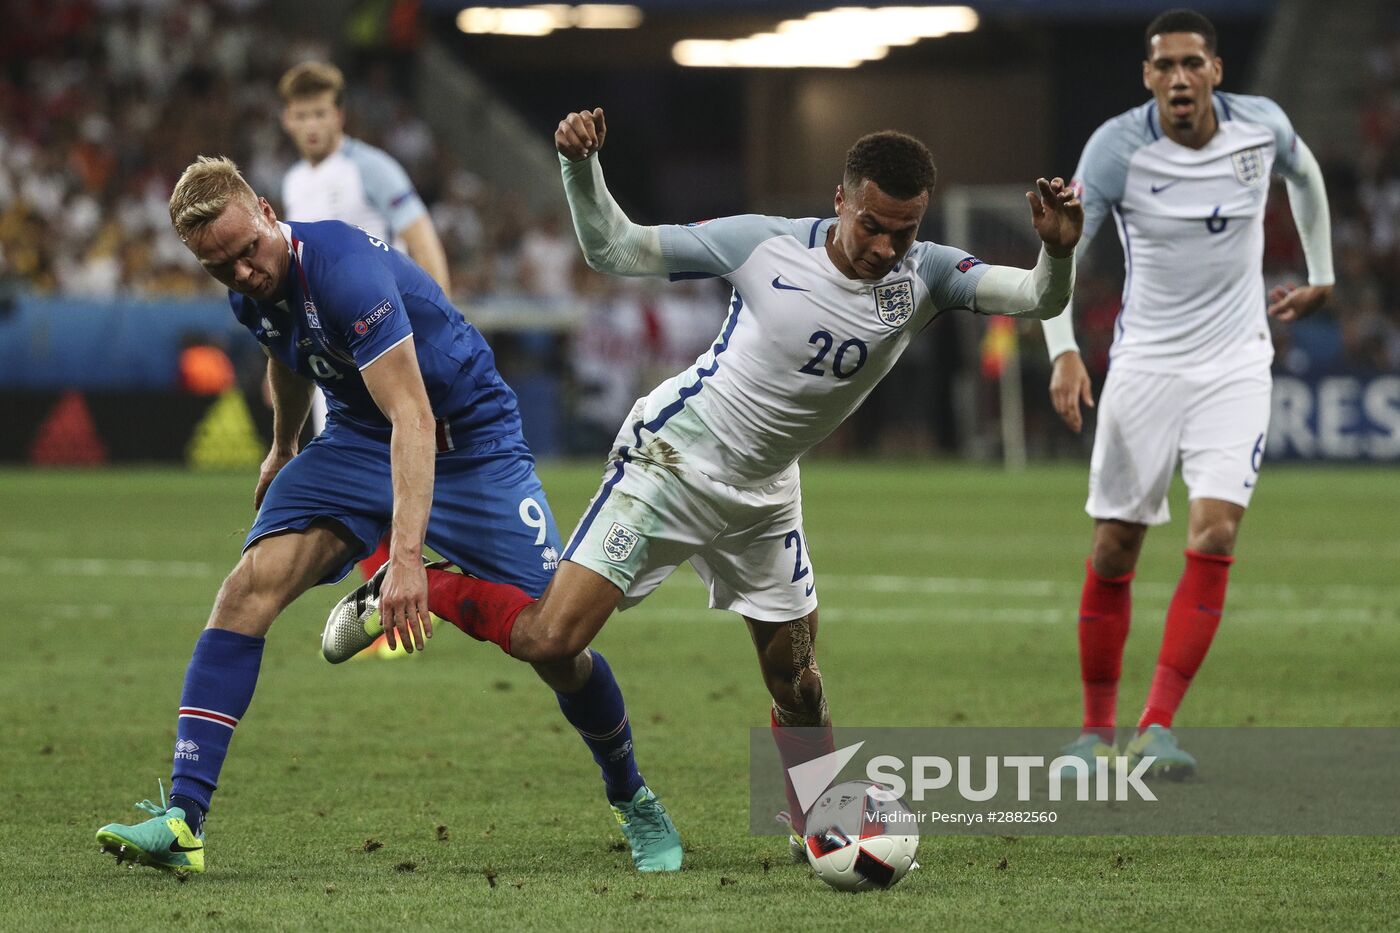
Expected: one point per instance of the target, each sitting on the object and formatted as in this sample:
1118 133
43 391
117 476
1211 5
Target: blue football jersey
349 299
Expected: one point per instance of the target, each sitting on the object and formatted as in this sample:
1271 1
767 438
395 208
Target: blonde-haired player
342 178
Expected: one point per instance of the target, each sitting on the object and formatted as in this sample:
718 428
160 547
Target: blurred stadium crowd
102 103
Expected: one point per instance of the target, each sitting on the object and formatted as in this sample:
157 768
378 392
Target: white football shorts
745 542
1215 423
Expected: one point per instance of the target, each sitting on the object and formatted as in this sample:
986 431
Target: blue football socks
599 715
218 688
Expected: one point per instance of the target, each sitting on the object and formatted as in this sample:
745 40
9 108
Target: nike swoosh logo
176 847
1248 484
1158 189
778 283
811 587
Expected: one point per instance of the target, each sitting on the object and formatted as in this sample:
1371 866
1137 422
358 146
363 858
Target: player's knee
801 704
1115 554
557 640
244 602
798 695
1217 537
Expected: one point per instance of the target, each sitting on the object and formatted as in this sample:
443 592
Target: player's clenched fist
581 134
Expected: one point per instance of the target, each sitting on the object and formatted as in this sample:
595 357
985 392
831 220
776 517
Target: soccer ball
856 842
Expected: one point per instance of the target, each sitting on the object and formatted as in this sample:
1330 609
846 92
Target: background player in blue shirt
423 438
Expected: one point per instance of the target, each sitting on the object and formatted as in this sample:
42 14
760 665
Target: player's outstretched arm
610 241
396 384
291 401
1041 292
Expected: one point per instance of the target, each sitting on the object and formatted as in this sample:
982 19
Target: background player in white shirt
705 468
341 178
1186 177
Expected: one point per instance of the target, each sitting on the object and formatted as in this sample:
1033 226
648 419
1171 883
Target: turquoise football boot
165 841
656 846
1088 748
1157 742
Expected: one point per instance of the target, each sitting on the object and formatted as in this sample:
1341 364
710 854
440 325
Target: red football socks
795 746
1105 609
378 559
485 611
1192 619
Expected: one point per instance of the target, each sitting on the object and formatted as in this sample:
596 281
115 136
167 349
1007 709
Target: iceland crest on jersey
619 542
895 302
1249 165
312 318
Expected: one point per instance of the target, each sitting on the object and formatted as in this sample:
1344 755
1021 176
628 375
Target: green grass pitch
446 791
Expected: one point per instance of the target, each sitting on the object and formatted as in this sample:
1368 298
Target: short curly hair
1180 20
897 162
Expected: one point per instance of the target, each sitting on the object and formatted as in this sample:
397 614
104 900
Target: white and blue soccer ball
859 842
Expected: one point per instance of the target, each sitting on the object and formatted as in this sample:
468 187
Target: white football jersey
357 184
800 349
1191 225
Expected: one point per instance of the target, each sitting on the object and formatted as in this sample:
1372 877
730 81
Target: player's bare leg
565 620
1116 547
1214 525
801 723
552 630
273 572
219 685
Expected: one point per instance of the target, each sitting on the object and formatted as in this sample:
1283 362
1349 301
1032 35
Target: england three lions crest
894 302
619 542
1249 165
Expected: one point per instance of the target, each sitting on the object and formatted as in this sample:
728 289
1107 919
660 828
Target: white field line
195 615
904 543
831 584
108 567
973 616
1045 589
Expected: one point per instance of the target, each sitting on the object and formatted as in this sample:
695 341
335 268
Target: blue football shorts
489 514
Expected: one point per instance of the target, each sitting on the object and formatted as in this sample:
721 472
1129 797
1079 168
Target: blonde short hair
309 79
204 190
